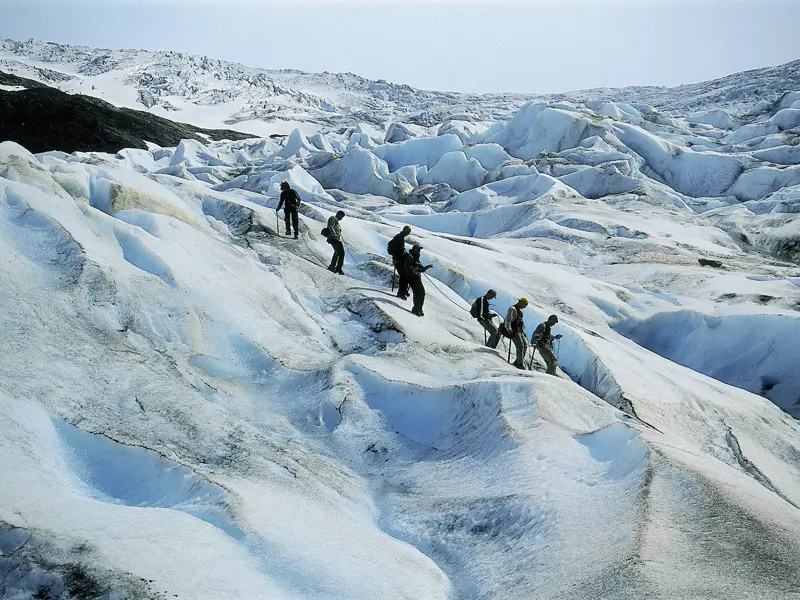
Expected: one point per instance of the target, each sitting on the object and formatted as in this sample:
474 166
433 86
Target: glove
557 337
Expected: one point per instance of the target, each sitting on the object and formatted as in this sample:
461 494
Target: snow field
189 392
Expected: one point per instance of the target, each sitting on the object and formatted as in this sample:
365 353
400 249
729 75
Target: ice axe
533 353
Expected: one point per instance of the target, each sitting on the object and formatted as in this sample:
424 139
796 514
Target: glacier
192 406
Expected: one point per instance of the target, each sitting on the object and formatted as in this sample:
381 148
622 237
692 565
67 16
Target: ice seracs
193 405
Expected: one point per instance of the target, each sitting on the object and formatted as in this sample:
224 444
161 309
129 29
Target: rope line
305 241
445 295
346 247
502 337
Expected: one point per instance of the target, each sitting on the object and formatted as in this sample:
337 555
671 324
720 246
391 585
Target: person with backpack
414 270
543 338
480 310
290 201
335 240
397 250
514 327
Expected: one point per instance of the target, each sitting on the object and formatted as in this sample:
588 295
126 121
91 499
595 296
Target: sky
527 46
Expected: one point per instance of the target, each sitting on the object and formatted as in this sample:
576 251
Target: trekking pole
509 354
533 353
394 272
277 224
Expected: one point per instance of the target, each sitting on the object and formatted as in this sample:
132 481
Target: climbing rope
506 347
305 241
445 295
358 262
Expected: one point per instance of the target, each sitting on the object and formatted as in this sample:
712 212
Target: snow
541 128
193 405
723 347
458 171
426 151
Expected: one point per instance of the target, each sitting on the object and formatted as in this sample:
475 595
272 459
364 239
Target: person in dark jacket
543 338
397 250
515 326
414 270
335 240
485 316
290 201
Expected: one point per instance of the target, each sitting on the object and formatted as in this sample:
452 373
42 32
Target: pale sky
536 46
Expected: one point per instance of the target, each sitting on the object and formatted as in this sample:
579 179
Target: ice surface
193 405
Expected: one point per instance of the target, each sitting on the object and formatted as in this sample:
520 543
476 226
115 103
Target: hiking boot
288 233
402 296
519 366
331 269
295 235
339 272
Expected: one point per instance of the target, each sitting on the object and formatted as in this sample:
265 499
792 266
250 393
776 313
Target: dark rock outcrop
42 118
707 262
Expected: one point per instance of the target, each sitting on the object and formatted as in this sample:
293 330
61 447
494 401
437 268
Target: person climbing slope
397 250
515 329
480 310
335 240
414 270
290 201
543 338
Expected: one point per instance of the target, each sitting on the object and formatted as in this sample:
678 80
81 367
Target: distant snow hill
217 94
193 406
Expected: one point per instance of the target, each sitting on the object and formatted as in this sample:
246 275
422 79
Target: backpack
395 246
503 331
475 309
325 232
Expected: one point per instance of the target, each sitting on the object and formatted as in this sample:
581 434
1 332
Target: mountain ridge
165 82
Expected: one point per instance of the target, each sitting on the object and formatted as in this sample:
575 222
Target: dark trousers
337 260
419 292
290 213
402 285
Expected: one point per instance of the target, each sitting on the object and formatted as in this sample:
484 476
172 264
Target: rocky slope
43 118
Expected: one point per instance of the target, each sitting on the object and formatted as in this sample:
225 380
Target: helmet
524 300
416 247
407 229
553 318
284 185
491 293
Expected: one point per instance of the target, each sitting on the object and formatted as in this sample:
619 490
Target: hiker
515 329
414 270
290 202
397 250
542 338
335 240
480 310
